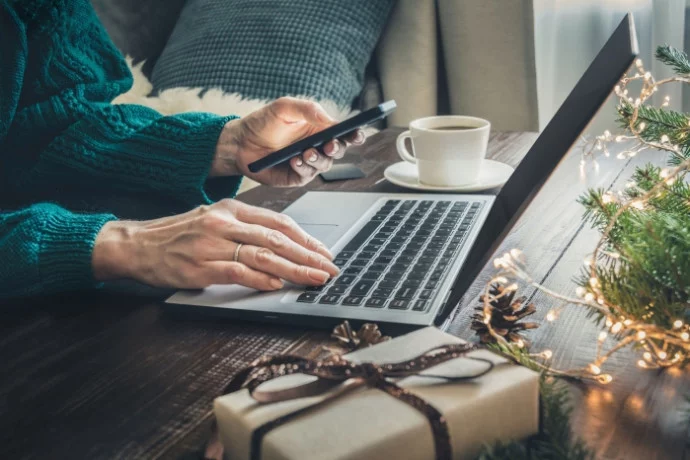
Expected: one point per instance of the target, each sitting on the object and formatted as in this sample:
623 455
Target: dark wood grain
97 375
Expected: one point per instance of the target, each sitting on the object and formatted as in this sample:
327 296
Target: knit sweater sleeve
64 134
46 249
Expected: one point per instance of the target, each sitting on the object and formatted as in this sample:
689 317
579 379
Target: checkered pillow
264 49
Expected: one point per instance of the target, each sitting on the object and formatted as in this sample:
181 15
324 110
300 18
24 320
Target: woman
67 155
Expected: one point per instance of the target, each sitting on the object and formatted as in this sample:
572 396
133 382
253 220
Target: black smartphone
319 139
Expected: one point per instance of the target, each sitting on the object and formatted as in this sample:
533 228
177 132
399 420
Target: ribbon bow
346 375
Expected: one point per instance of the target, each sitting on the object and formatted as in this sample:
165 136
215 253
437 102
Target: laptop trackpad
327 216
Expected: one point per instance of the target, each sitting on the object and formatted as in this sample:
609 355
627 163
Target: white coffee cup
448 150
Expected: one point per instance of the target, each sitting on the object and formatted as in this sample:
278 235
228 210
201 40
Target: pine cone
505 316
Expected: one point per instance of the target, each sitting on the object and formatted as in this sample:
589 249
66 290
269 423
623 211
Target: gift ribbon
337 371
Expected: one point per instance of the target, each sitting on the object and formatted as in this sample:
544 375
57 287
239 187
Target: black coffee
453 128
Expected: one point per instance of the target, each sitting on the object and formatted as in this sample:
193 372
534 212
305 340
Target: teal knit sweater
69 158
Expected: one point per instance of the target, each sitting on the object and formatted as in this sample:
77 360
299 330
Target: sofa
434 56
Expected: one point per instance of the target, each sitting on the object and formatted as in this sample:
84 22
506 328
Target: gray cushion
265 49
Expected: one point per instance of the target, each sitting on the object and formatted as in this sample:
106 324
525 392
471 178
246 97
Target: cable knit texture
63 142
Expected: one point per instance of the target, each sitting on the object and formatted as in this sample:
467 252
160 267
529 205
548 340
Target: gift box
487 399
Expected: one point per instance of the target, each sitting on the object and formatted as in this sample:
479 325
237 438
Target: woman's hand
271 128
198 248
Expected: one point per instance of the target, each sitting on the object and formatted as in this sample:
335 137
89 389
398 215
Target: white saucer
493 174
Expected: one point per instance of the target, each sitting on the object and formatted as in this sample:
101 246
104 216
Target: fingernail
313 157
318 275
330 267
298 162
336 148
275 283
360 137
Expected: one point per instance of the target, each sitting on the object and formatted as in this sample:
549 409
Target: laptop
406 259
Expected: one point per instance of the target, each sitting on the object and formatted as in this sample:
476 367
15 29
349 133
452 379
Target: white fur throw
178 100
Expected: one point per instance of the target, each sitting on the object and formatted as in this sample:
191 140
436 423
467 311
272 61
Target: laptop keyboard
400 258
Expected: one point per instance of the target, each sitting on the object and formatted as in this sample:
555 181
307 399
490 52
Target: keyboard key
393 202
345 279
389 253
338 289
359 263
420 305
382 292
353 270
388 283
307 297
431 285
383 260
330 299
371 275
475 205
405 293
399 304
375 303
393 246
366 254
416 275
352 301
361 236
379 218
378 268
422 266
340 262
379 241
405 259
345 254
362 288
426 294
412 283
314 288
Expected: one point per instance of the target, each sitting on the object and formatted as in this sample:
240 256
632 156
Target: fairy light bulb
685 336
520 343
547 354
664 139
642 126
551 316
609 323
641 335
502 279
604 379
602 336
589 297
616 328
677 324
594 369
662 355
647 355
580 291
593 282
642 364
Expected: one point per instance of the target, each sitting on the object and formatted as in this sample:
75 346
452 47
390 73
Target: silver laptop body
410 267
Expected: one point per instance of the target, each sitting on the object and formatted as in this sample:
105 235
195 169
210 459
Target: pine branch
556 441
673 58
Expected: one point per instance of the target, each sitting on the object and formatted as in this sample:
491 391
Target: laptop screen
550 148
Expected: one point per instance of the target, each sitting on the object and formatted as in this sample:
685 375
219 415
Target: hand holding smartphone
319 139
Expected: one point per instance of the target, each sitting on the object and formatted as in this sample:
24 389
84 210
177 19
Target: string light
662 345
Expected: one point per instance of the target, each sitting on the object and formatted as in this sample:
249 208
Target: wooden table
97 375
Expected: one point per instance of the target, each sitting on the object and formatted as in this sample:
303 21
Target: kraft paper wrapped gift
367 423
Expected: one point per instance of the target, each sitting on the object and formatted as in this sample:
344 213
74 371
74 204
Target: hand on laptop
228 242
271 128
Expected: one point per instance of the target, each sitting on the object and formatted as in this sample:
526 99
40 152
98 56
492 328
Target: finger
284 224
223 272
317 160
357 137
302 168
293 110
257 235
334 149
265 260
